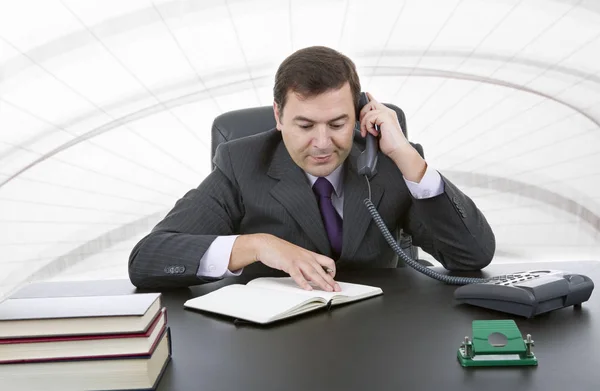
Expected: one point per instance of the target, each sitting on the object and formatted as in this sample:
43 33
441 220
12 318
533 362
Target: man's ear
277 116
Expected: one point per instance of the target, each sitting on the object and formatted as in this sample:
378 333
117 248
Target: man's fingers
367 108
327 276
325 267
315 273
298 277
368 123
375 104
330 270
326 263
329 279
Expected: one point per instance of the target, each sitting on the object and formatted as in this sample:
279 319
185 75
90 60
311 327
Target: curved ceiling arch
174 9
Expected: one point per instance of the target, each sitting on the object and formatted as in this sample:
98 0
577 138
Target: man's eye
306 126
337 126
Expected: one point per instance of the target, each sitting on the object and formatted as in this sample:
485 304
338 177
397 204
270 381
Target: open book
267 299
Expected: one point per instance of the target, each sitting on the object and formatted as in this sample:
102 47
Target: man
291 198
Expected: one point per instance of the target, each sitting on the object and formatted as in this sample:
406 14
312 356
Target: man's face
318 131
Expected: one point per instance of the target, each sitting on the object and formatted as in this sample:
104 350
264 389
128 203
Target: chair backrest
246 122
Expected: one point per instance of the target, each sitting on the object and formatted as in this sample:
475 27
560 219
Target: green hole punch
496 343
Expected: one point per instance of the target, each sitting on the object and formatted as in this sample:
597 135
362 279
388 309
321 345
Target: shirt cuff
431 185
215 260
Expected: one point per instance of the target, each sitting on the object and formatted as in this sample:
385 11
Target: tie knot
323 187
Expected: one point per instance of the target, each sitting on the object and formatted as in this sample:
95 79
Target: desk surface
405 339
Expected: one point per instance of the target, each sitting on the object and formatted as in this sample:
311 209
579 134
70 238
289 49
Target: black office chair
246 122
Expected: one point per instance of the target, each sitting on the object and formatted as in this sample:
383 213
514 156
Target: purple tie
332 220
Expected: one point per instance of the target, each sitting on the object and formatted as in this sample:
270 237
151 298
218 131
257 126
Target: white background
106 109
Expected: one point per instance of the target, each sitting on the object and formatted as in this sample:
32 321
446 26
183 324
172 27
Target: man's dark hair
312 71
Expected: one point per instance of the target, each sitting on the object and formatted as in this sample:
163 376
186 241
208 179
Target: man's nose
322 139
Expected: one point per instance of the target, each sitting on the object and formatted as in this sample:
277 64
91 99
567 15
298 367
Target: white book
267 299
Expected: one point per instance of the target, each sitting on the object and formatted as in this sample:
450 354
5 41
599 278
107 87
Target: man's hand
392 141
375 113
301 264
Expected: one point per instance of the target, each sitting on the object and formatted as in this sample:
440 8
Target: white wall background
106 108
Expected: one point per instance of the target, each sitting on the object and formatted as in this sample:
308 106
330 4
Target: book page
254 304
349 291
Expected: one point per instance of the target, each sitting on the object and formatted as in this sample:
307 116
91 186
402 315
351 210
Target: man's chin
321 170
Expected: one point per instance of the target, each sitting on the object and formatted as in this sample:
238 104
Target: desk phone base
528 293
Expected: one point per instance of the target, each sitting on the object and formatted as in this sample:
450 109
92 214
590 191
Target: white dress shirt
215 260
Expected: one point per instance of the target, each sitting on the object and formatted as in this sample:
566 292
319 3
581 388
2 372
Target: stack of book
83 335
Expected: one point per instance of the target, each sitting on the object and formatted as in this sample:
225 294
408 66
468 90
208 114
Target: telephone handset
367 161
526 293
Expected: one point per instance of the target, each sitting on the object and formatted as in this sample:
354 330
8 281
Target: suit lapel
293 191
356 216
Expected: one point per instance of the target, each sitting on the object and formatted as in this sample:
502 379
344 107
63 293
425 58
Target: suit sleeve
169 256
452 229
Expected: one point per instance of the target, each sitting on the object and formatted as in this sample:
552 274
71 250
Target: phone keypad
510 279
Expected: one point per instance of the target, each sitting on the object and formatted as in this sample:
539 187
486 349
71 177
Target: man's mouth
321 159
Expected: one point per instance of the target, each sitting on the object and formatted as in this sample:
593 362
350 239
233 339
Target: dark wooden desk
404 340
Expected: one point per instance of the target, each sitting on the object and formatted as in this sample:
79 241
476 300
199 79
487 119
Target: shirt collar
335 178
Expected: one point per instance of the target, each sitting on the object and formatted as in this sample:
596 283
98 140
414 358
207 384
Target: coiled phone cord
410 262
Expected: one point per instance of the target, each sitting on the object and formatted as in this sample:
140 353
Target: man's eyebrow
301 118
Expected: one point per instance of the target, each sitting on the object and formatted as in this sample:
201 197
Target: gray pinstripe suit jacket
257 188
